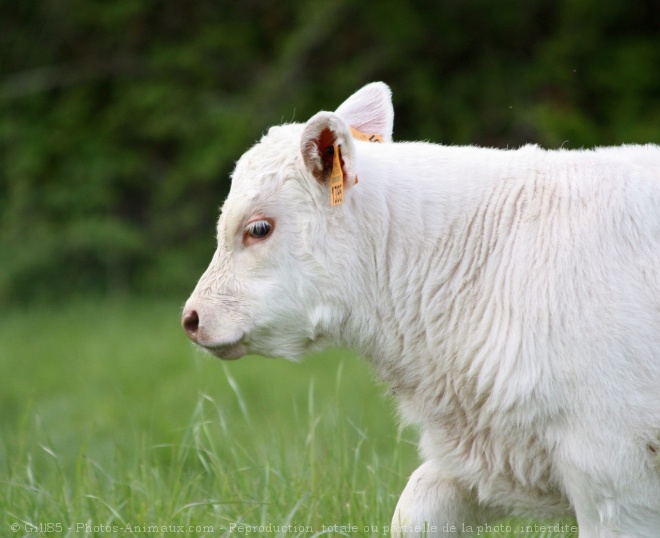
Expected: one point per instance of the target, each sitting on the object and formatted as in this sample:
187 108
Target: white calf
510 298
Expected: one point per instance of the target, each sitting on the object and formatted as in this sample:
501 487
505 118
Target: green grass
112 425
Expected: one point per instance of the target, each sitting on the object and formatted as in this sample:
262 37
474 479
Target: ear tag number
366 137
336 179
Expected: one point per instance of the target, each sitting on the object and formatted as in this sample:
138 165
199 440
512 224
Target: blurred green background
120 121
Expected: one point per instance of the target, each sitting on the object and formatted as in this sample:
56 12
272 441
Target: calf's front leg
433 505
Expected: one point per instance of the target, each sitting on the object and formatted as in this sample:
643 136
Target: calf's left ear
326 141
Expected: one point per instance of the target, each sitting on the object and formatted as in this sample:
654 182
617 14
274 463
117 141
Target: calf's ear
370 110
325 135
327 143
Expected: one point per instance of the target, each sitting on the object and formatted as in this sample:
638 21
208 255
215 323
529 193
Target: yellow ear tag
337 175
366 137
336 179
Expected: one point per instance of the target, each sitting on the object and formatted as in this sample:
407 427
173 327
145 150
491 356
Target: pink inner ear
326 140
324 146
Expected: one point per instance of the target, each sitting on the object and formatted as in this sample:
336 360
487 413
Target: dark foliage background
120 121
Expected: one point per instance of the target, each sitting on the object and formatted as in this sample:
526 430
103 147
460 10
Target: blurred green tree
120 121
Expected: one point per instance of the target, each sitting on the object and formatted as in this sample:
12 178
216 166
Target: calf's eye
257 229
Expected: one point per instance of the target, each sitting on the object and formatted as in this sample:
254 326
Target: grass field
112 425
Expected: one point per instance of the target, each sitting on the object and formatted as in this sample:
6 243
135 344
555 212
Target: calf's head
272 285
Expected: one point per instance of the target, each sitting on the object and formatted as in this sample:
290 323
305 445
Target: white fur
511 299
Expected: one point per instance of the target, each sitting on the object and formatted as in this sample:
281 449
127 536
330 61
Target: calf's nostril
190 323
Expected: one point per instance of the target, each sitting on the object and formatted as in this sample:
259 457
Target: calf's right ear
327 141
370 110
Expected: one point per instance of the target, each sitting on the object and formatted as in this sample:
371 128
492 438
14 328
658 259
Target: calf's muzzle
190 323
